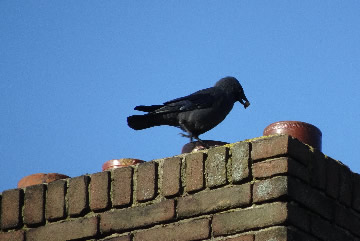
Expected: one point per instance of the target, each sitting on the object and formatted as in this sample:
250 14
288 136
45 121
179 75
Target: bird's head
231 85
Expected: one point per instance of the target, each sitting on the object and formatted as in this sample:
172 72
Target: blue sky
72 71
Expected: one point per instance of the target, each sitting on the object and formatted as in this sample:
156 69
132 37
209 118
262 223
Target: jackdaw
195 114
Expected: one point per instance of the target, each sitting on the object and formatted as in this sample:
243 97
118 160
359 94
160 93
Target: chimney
267 188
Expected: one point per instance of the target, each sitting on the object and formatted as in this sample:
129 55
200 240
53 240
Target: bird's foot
197 138
187 136
202 143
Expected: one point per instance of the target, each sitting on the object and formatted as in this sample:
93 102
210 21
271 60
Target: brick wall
265 189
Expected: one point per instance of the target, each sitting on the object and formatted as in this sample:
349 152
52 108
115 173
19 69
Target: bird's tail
139 122
148 108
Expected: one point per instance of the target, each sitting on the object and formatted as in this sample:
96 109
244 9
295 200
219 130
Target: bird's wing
198 100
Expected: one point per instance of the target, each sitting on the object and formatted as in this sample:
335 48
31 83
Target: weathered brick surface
348 219
281 165
270 188
118 238
311 198
214 200
285 188
122 186
282 233
356 192
280 145
229 222
299 217
324 230
170 185
242 237
345 192
269 147
194 170
11 208
146 181
99 191
34 205
270 167
129 218
282 186
332 178
318 169
278 233
240 156
297 235
290 192
55 200
215 167
191 230
68 230
78 195
13 236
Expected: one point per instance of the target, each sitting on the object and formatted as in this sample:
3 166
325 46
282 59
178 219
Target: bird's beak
244 102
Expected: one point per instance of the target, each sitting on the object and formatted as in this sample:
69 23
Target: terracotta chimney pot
39 178
117 163
305 132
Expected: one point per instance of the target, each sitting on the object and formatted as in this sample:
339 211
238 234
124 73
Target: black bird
196 113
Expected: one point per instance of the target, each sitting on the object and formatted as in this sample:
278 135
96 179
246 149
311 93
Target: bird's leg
191 136
183 127
201 141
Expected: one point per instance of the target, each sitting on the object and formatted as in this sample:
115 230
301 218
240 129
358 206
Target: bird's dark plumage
196 113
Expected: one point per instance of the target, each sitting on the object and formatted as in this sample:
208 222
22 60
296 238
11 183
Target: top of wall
177 189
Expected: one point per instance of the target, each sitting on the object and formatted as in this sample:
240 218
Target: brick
278 233
332 178
80 228
122 186
270 189
318 170
242 237
327 231
356 191
281 165
280 145
194 171
240 156
215 167
55 200
146 181
13 236
118 238
345 192
299 217
279 187
311 198
282 233
214 200
191 230
78 200
297 235
34 205
11 204
170 185
130 218
245 219
269 147
347 219
99 191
